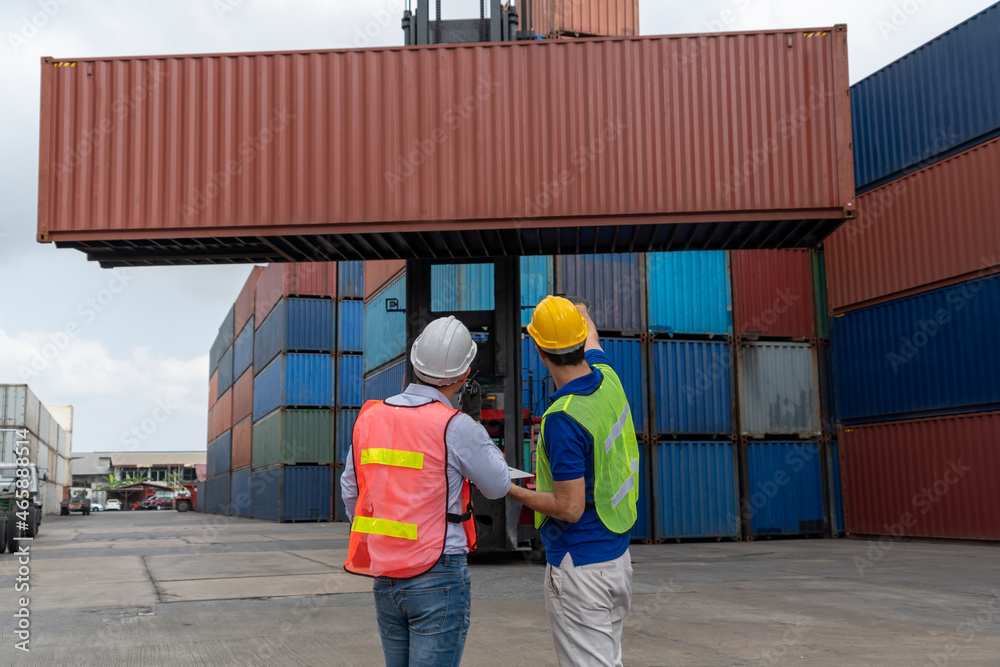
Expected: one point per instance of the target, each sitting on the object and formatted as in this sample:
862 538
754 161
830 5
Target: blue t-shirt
570 451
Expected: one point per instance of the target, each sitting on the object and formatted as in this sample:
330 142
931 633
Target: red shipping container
936 227
379 273
575 18
242 444
923 478
213 389
773 293
243 396
739 140
293 279
220 416
243 308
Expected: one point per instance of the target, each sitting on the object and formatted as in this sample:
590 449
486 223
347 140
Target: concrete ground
163 588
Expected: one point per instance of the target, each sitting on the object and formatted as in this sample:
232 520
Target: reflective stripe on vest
605 415
401 515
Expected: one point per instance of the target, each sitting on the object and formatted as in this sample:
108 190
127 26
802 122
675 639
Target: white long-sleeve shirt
471 455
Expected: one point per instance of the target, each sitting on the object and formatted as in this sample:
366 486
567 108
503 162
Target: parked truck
76 500
20 502
185 497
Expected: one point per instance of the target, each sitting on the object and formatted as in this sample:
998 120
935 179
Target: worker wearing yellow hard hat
587 481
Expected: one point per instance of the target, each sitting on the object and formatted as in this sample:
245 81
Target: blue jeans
424 620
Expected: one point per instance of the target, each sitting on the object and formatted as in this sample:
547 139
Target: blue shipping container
351 280
344 433
932 353
225 373
223 452
693 387
386 383
226 332
537 282
836 488
292 493
935 101
294 380
537 383
218 494
689 292
210 470
295 325
385 332
696 490
626 359
239 496
341 511
243 351
351 326
461 287
350 382
642 531
785 489
613 286
199 499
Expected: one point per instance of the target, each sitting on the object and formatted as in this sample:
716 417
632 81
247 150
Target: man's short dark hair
573 358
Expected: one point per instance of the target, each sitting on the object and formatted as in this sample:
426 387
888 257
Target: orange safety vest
401 517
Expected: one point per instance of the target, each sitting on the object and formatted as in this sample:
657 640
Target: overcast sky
142 336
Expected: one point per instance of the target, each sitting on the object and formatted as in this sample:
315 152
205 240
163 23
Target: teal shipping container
461 287
689 292
385 332
537 282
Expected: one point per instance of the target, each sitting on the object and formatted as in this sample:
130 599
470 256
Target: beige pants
587 607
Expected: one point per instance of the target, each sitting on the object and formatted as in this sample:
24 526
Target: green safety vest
605 415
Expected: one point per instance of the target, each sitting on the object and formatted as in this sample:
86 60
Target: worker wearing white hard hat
406 488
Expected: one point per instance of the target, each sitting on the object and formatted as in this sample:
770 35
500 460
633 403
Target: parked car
96 507
113 505
158 503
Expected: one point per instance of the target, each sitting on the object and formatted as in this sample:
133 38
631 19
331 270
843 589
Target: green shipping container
822 303
293 437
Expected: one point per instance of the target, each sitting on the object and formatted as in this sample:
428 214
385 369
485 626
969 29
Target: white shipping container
44 425
779 389
19 408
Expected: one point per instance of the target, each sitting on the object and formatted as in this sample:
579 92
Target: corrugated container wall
218 494
294 380
629 363
293 436
461 287
928 478
386 383
785 489
379 273
242 444
351 326
243 397
220 416
295 324
836 489
642 531
693 384
696 490
821 291
537 382
537 282
294 279
773 293
941 97
344 434
612 284
213 389
243 350
936 226
919 355
352 280
244 306
580 18
325 172
226 371
240 492
292 493
385 332
779 390
350 380
689 292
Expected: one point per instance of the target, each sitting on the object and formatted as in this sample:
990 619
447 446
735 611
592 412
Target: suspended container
243 396
939 99
923 355
689 293
243 308
291 437
226 371
773 294
614 286
537 282
576 18
462 287
381 272
242 444
239 495
779 390
784 493
344 433
628 361
351 326
350 382
385 331
243 350
694 387
292 493
642 531
296 325
352 280
293 279
386 382
696 490
294 380
933 478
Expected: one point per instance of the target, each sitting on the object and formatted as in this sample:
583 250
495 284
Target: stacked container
48 431
913 291
218 460
353 316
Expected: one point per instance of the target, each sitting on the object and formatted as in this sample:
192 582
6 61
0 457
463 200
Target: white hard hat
442 352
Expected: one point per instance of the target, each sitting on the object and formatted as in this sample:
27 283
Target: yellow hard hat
557 326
